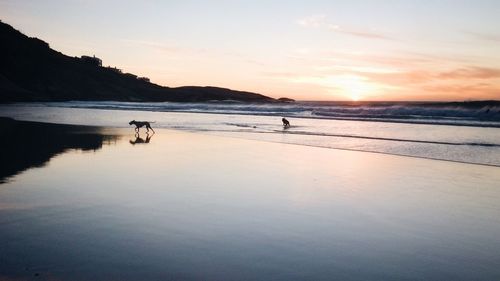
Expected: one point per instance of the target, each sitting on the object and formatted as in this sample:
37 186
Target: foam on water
469 114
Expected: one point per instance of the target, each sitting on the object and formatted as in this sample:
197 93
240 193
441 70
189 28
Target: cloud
168 48
369 62
320 21
471 73
459 83
483 36
413 83
412 78
358 33
280 74
315 21
399 78
484 90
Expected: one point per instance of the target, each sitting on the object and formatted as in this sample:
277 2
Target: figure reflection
139 140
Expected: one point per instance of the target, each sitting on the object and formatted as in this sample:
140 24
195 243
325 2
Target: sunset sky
307 50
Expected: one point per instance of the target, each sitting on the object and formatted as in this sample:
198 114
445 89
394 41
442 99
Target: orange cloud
423 76
400 78
466 91
471 73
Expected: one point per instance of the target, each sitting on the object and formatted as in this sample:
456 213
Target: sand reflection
27 145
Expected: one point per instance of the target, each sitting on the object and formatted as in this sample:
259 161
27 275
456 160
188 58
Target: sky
307 50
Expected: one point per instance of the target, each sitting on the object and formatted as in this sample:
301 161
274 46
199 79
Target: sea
467 132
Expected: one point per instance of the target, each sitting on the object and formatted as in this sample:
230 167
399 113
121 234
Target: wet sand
104 204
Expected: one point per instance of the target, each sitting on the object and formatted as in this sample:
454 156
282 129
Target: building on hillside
114 69
92 60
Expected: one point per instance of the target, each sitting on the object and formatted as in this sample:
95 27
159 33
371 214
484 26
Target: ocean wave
485 113
473 144
430 112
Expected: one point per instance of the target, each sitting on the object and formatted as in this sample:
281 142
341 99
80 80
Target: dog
140 124
286 123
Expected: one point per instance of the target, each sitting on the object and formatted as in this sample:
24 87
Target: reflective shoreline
187 206
29 144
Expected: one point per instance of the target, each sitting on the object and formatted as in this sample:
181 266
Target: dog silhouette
286 123
140 124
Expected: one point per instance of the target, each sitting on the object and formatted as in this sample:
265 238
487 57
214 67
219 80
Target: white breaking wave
468 113
417 130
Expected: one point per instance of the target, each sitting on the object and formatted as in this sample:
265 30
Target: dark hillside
31 71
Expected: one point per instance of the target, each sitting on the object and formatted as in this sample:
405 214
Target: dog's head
131 122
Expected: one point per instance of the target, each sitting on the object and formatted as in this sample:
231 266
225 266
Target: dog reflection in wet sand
139 140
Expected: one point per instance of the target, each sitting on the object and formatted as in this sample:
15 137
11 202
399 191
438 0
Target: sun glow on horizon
353 87
355 97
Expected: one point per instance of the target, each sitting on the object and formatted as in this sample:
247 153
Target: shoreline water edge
467 144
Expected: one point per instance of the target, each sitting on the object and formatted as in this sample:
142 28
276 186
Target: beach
250 140
176 205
